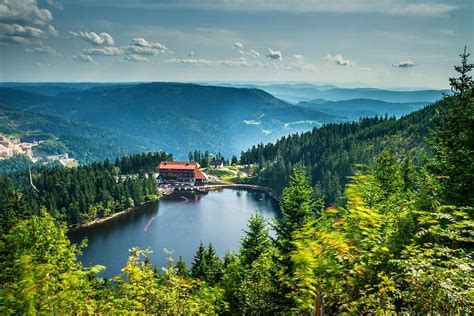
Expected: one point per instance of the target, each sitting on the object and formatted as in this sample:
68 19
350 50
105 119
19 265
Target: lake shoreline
102 220
236 186
206 188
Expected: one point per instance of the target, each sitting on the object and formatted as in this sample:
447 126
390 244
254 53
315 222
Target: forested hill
80 140
401 244
332 151
357 108
175 117
79 195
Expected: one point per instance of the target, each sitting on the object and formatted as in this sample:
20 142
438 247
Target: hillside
177 117
80 140
332 151
295 93
356 108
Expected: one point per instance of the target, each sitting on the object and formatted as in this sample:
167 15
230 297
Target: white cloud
94 38
19 30
253 53
240 48
404 64
52 30
338 59
14 40
139 50
54 4
136 58
240 62
274 54
298 65
104 51
42 65
299 58
24 11
23 20
252 122
141 46
42 49
83 58
141 42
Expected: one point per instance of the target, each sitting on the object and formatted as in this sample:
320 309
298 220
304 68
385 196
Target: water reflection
178 222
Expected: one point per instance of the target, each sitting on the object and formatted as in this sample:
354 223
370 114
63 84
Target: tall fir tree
199 266
297 206
453 139
255 240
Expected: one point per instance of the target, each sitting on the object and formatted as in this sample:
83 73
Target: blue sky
382 43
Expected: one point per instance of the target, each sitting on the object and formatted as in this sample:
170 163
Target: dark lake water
178 222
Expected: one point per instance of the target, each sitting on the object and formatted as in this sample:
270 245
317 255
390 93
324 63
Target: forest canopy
400 240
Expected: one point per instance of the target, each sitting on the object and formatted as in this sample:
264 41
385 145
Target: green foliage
333 151
255 240
402 243
14 164
297 206
39 272
207 266
452 144
79 195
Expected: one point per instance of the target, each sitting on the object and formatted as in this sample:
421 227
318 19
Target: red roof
179 165
198 175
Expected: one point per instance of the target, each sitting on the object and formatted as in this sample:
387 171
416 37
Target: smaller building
181 172
217 164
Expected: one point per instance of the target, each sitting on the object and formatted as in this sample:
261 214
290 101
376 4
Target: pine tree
297 207
199 266
181 268
464 81
453 139
214 266
255 240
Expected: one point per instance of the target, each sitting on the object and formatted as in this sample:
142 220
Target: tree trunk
318 303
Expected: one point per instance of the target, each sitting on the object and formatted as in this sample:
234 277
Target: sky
377 43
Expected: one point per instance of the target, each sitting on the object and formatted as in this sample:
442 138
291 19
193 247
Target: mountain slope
332 152
356 108
178 117
82 141
339 94
295 93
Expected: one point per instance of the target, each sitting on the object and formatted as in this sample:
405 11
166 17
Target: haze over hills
175 117
356 108
298 92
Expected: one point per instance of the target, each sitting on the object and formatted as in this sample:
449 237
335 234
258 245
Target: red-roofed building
181 172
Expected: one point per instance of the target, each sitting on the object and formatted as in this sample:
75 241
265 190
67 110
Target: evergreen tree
255 240
199 266
464 82
453 139
214 266
297 206
181 268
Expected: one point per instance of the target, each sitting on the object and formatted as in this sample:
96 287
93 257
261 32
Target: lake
178 222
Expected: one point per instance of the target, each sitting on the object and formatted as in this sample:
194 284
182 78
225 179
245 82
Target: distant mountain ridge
356 108
176 117
306 92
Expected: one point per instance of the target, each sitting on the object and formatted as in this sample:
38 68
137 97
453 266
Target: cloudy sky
381 43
